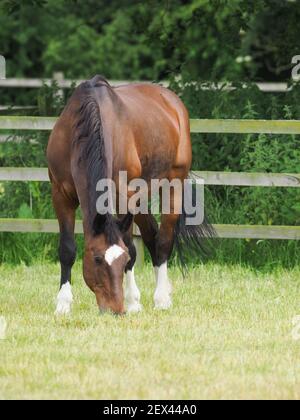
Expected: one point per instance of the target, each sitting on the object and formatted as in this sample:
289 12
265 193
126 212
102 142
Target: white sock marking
64 300
132 293
162 295
113 253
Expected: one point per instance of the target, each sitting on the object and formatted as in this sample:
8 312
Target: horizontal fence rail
245 126
24 174
223 231
197 125
63 83
243 179
258 232
210 178
27 123
16 108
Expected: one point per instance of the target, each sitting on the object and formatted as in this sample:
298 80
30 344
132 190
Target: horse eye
98 259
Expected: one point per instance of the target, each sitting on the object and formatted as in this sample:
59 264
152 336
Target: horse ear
99 223
125 223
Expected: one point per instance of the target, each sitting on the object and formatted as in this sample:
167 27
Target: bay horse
139 128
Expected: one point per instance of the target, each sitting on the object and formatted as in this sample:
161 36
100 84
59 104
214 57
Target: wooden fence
63 83
210 178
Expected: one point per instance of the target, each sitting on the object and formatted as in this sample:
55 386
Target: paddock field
228 335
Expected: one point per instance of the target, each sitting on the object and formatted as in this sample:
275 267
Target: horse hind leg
164 247
65 210
149 230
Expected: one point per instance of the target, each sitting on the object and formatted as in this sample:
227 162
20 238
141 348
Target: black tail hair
89 135
192 240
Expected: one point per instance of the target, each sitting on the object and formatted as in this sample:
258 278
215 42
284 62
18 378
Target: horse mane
90 136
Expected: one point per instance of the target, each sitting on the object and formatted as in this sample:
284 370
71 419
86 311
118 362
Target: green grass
228 335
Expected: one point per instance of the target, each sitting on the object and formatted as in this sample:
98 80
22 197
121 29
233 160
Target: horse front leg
159 242
65 210
132 293
149 230
164 248
165 244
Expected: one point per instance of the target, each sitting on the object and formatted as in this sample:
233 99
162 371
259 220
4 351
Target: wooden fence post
59 77
139 245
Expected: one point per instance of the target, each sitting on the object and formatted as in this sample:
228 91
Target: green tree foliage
207 39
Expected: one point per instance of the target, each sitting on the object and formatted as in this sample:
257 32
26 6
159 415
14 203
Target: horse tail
191 241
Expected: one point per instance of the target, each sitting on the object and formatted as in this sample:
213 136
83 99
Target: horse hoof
64 300
63 309
163 302
134 308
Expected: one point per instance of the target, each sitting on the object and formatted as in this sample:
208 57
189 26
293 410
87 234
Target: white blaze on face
113 253
64 300
162 295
